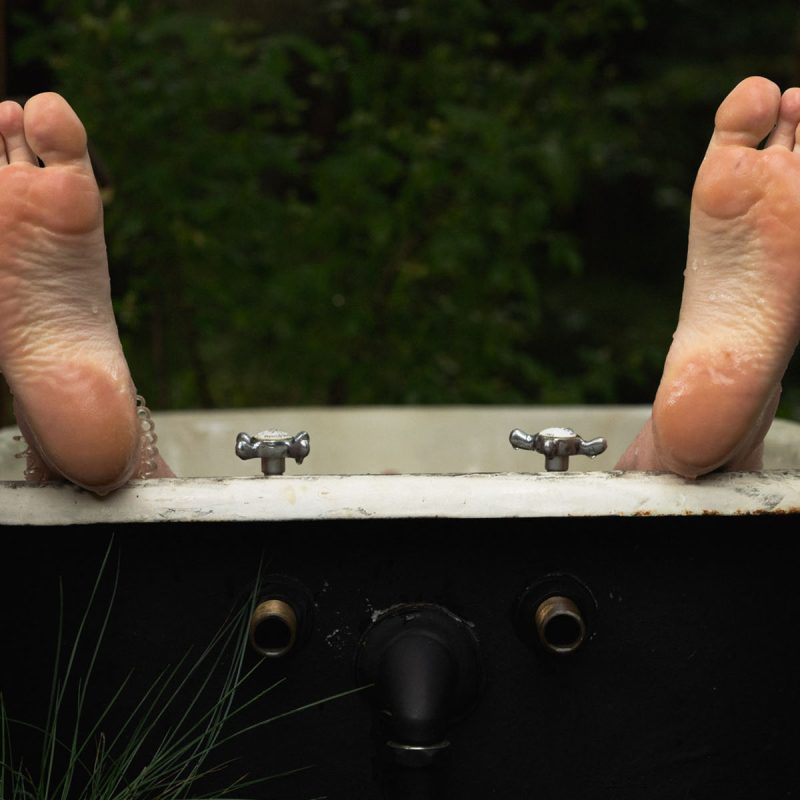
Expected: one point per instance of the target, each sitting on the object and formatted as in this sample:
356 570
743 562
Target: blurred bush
464 201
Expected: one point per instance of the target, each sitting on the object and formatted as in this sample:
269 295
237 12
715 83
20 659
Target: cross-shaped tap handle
557 445
273 448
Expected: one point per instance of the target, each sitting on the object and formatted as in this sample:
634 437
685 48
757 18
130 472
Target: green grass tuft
143 758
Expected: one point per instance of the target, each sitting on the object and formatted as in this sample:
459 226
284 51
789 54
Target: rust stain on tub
752 512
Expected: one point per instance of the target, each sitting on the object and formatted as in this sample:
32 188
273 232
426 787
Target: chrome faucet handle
557 445
273 448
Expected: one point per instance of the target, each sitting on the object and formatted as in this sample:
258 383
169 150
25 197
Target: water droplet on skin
95 309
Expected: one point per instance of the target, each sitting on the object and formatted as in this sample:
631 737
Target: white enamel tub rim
403 462
474 496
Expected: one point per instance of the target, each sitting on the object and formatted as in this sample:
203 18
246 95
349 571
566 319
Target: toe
748 113
13 134
788 119
54 131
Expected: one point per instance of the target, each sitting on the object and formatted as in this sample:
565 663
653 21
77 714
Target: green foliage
416 202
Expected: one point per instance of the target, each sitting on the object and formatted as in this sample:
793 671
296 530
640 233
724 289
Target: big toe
54 131
748 114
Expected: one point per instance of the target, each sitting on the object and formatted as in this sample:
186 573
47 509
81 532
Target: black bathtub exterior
687 687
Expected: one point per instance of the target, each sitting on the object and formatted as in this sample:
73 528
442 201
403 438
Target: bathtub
404 462
684 684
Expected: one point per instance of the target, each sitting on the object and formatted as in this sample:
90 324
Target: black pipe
415 683
425 664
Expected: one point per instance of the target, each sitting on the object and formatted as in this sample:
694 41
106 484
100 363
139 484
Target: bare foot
59 349
740 314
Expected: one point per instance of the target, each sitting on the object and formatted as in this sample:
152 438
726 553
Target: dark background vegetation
352 201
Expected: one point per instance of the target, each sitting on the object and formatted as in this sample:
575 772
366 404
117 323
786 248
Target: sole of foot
59 347
740 312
